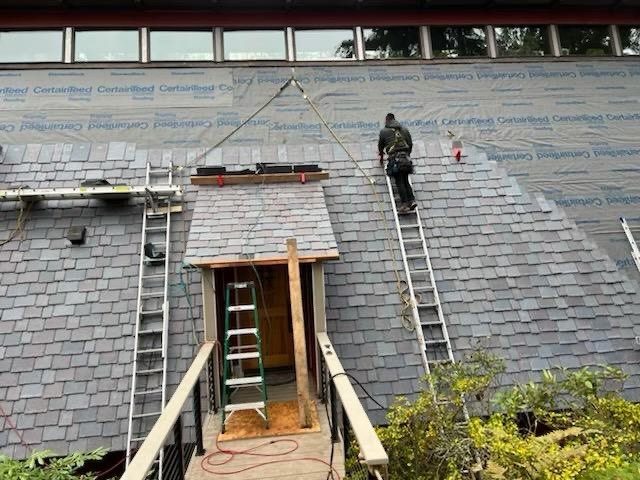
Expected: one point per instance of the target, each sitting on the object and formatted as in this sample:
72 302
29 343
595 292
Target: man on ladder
396 141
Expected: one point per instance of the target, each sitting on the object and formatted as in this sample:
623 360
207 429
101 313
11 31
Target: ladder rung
240 285
409 225
159 170
148 392
242 347
420 270
435 342
241 308
232 407
149 371
427 305
151 312
424 288
149 331
139 439
144 415
155 215
416 255
150 350
156 229
242 356
244 381
412 240
152 294
155 275
431 324
243 331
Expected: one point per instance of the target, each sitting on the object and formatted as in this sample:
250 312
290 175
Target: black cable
360 385
326 409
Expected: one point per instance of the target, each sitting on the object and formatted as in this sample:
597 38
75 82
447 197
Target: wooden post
300 349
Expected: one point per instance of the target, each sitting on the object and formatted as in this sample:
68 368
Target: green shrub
569 426
45 465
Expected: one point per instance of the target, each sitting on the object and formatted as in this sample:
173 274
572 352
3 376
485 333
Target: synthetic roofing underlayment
512 270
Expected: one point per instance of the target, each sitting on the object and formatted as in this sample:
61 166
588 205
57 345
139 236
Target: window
630 40
180 46
522 41
31 46
107 46
254 45
397 42
589 41
324 44
458 42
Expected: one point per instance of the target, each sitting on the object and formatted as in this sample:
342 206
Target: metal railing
173 435
365 457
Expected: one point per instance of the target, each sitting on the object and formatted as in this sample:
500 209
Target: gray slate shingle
514 271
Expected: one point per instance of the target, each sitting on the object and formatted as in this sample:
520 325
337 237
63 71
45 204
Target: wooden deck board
310 445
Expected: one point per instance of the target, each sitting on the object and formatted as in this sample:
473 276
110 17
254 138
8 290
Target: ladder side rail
414 305
165 303
137 327
436 294
635 252
436 297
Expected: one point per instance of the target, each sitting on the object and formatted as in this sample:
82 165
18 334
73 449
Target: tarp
567 129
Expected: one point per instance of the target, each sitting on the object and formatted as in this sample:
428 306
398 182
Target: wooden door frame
212 323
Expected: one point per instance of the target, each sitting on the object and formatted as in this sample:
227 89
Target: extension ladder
635 253
149 380
240 352
428 319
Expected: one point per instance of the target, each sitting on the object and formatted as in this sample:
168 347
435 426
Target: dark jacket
387 137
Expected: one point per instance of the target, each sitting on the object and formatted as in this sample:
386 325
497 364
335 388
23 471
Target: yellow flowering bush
569 426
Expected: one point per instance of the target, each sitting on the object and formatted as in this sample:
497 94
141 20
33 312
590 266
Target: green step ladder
237 353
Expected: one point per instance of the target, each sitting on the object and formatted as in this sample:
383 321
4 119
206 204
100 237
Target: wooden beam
299 346
210 323
242 262
255 178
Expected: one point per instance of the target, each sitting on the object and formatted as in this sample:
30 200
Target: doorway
274 314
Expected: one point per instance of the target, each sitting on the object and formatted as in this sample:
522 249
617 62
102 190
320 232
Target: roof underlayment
513 271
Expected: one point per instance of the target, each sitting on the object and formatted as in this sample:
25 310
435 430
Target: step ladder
635 252
235 352
149 377
428 319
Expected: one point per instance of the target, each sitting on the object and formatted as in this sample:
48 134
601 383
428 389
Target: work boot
412 205
404 209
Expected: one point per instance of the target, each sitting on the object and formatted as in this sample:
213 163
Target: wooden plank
299 346
258 178
241 262
149 450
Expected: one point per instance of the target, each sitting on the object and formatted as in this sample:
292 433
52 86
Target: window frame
324 60
617 31
168 29
548 35
483 27
607 27
283 30
74 44
61 30
418 56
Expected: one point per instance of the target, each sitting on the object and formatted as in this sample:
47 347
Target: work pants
404 188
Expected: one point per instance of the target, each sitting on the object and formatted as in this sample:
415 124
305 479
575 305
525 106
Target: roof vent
76 235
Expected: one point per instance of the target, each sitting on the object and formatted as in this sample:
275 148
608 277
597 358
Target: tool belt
399 162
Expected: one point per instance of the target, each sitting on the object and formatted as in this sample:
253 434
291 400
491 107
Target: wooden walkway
296 465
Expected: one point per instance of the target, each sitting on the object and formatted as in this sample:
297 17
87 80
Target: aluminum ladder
149 377
239 352
428 319
635 253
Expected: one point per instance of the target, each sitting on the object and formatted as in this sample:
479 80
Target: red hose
206 461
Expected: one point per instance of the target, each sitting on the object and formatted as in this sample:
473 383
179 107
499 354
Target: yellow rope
401 285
